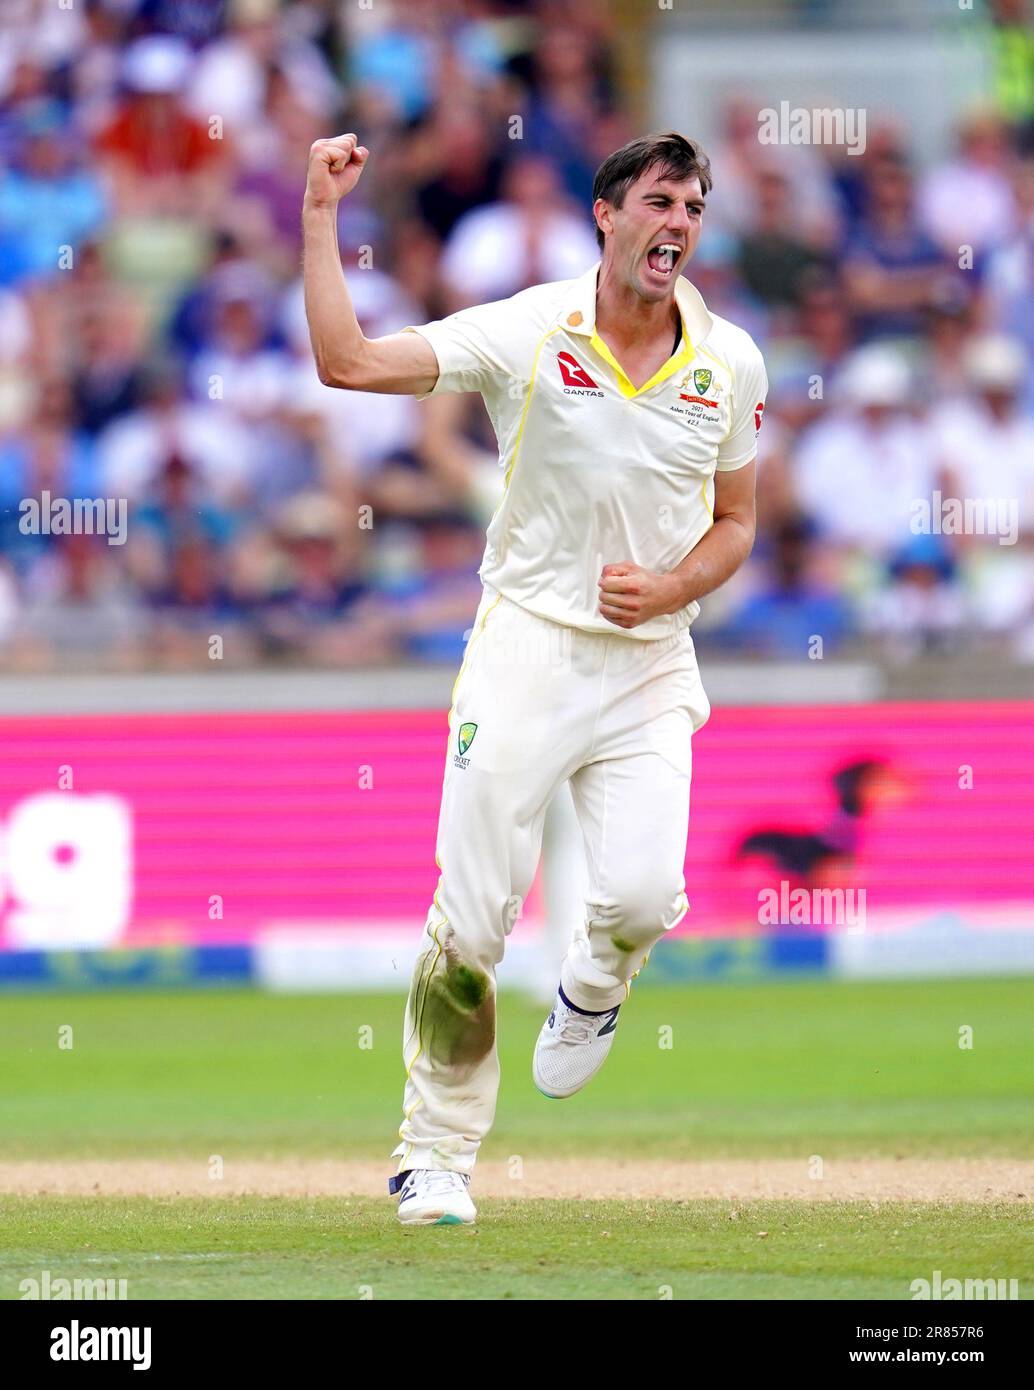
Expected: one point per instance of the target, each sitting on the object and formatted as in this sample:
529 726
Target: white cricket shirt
598 472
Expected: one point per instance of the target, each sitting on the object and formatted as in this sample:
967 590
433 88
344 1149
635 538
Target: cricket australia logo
701 404
464 739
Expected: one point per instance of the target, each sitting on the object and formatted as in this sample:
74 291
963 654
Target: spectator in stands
176 509
860 468
950 328
921 608
531 236
245 375
432 603
893 270
267 191
795 602
572 95
160 159
742 159
1010 271
323 609
195 605
397 64
107 383
133 449
80 610
807 358
47 455
466 173
986 217
49 201
774 260
986 446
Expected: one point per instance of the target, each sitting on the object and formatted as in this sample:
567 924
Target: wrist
317 209
681 591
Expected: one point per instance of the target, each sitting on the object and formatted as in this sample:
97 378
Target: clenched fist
630 595
334 169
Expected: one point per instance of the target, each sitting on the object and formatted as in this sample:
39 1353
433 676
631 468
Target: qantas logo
573 372
577 381
759 410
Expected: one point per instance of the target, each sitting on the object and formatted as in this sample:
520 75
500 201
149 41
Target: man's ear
601 212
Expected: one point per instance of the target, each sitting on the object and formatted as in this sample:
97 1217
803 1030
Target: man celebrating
627 418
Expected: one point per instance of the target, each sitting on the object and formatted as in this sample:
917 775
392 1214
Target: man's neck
623 318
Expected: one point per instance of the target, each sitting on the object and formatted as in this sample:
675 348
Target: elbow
346 373
332 374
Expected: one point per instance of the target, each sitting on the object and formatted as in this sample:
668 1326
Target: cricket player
626 415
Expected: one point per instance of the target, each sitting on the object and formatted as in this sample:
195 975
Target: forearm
337 340
400 364
714 559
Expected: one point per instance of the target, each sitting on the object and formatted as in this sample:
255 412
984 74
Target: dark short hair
673 155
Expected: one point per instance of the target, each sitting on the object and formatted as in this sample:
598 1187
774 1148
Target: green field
775 1070
258 1248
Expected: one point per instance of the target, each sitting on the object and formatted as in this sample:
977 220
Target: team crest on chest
699 400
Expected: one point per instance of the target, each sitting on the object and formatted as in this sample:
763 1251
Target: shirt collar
579 312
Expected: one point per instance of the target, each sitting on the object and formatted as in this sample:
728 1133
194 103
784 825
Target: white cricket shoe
433 1197
571 1047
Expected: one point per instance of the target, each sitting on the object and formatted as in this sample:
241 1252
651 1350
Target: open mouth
664 257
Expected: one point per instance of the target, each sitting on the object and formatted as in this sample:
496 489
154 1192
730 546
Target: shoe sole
445 1218
564 1095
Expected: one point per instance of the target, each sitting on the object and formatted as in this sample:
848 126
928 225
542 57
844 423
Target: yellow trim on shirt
680 359
707 504
527 402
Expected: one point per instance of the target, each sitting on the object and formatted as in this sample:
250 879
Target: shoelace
580 1027
443 1180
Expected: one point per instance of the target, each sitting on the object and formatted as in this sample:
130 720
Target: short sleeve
750 388
470 347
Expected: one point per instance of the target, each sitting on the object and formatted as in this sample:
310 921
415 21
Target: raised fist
334 169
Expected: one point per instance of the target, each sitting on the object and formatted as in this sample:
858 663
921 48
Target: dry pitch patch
865 1179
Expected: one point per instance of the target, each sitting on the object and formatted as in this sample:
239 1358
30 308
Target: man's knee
640 908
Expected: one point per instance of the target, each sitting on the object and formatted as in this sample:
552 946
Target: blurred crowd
153 344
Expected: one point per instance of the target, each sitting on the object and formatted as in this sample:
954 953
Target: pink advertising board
140 829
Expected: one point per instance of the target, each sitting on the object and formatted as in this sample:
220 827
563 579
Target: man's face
653 234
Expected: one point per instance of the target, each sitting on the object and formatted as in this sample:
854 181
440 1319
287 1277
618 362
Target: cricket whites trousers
537 704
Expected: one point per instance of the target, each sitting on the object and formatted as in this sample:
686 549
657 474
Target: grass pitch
780 1070
261 1248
